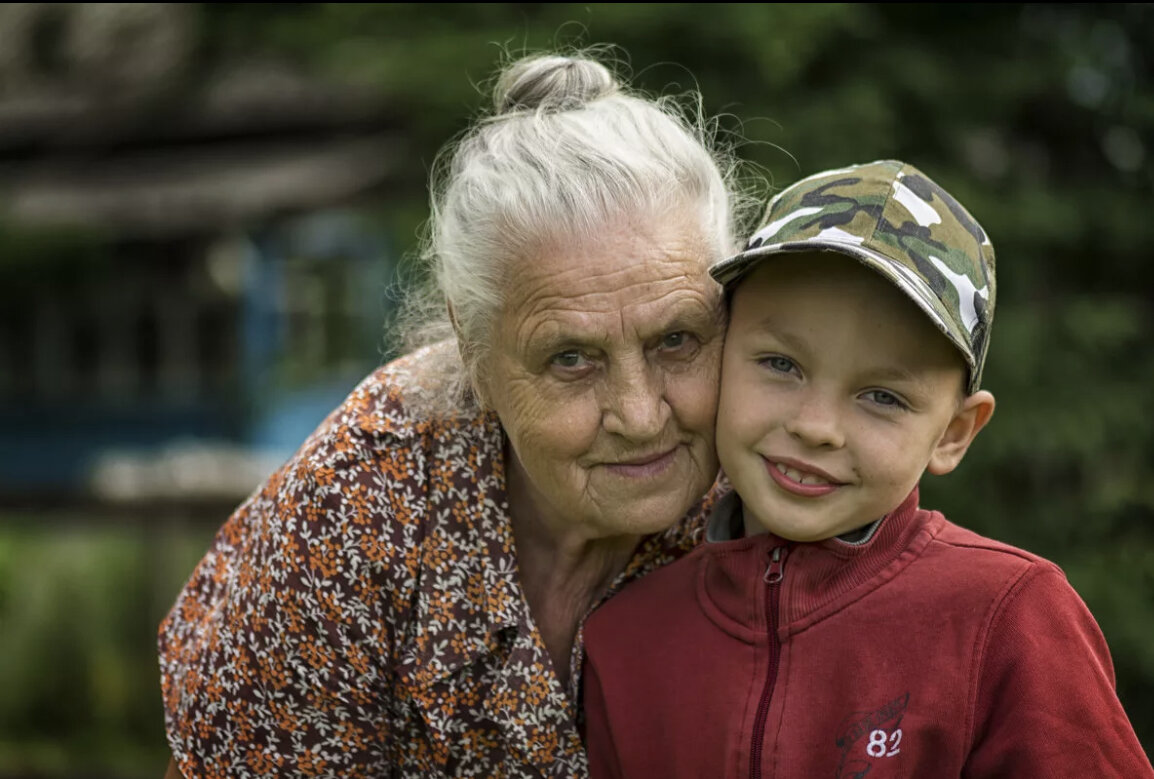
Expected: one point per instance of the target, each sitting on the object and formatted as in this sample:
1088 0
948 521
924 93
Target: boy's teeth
799 477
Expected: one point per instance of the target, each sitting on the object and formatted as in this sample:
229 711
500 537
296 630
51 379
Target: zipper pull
773 573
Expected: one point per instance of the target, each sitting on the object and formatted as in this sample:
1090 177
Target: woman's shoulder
406 403
356 498
380 453
408 396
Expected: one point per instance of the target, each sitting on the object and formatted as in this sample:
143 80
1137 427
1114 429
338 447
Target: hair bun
552 82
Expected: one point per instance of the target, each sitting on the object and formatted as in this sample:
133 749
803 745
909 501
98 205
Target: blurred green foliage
1039 117
79 608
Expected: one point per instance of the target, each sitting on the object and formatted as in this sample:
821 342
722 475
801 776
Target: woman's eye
572 364
679 345
672 342
568 359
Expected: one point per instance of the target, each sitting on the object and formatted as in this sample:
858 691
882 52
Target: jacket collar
818 578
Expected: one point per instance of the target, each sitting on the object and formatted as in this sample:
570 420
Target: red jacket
924 651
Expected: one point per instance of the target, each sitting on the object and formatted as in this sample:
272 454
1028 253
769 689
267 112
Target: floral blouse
361 614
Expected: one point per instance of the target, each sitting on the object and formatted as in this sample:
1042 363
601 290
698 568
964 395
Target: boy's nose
816 423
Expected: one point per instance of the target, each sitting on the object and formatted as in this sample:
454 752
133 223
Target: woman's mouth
645 466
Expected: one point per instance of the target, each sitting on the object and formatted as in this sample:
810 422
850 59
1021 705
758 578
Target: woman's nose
815 421
635 406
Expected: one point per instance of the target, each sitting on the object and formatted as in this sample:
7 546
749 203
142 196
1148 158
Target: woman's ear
453 320
472 371
460 340
972 415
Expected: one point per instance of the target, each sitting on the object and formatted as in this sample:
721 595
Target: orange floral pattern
361 615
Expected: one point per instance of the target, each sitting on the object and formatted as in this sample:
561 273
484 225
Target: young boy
829 626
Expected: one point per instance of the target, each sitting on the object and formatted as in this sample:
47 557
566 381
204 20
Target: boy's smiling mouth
801 478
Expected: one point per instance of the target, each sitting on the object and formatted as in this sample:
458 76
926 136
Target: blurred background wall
204 209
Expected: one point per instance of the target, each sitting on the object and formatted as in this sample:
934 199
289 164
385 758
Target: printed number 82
882 744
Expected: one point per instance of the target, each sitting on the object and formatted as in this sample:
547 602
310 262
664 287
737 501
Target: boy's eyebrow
765 324
798 343
893 373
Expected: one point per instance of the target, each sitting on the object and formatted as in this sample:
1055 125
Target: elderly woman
405 596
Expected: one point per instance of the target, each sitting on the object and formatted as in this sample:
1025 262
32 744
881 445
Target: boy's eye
775 362
884 398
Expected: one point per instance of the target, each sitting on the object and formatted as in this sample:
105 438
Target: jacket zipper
773 577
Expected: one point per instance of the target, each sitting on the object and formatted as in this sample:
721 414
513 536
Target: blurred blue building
195 379
192 273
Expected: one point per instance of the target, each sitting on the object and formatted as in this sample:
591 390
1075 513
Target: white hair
566 151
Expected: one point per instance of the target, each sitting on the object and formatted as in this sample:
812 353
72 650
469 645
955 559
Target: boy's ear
971 416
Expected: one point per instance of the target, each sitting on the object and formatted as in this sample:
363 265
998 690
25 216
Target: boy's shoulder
972 547
970 569
925 557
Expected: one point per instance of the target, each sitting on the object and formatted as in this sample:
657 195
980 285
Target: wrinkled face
604 373
837 392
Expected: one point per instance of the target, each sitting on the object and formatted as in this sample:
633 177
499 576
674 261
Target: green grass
80 602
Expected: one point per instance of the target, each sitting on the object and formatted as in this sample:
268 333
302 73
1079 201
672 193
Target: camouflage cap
893 218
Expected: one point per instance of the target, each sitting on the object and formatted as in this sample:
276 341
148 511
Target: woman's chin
653 512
